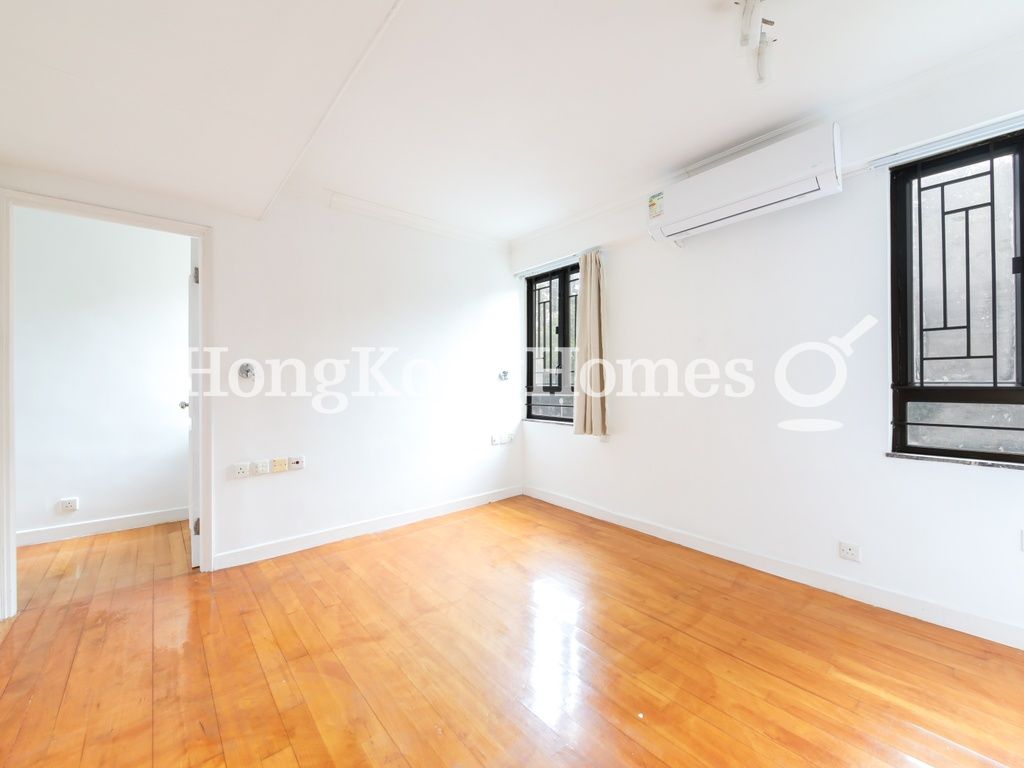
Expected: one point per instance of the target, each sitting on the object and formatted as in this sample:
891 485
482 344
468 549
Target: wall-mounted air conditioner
798 168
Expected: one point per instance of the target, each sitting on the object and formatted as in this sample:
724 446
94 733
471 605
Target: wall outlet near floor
279 465
261 467
69 504
504 439
240 470
849 551
296 463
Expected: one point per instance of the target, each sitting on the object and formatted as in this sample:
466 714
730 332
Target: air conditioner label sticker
654 205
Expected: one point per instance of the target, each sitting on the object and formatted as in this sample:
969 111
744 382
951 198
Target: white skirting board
316 538
952 618
103 525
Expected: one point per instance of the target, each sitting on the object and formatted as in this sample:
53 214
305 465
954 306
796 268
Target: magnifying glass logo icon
837 349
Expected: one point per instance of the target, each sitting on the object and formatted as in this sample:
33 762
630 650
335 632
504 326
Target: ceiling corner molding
392 12
580 217
339 201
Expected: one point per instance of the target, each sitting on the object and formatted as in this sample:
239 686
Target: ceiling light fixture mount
746 18
764 44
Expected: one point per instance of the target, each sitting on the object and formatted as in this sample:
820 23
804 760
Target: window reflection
554 674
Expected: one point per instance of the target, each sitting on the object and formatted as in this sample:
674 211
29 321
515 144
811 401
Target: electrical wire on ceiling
764 44
749 12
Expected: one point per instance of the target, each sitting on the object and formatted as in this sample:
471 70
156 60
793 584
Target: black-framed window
551 343
957 316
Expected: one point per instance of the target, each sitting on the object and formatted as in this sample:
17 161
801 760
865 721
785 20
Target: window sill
535 420
955 460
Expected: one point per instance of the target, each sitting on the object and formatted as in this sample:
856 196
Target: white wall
100 363
940 541
311 282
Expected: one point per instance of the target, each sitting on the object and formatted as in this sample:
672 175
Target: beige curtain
590 406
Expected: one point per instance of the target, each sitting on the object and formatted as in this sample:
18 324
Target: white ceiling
210 100
495 116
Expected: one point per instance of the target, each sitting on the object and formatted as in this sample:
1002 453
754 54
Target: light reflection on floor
554 673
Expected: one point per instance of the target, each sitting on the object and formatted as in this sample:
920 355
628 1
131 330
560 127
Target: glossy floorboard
515 634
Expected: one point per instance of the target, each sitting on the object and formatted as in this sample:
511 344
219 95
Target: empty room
482 383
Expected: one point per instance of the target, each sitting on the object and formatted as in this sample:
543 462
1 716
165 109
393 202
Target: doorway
101 429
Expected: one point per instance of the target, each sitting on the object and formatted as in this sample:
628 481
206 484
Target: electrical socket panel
69 504
849 551
263 467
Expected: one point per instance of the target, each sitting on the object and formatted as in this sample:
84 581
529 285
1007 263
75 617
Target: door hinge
195 275
1018 265
195 527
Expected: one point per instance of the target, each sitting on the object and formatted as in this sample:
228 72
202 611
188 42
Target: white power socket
261 467
849 551
69 504
504 439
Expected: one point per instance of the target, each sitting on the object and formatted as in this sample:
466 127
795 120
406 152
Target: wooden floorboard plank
632 655
514 634
32 742
251 728
185 727
478 640
551 611
951 710
790 660
525 738
816 611
119 727
33 562
26 678
410 720
89 671
618 618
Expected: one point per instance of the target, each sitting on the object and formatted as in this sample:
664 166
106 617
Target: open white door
193 404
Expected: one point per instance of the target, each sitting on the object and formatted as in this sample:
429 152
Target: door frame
9 199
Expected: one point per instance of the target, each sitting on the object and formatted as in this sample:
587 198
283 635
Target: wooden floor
515 634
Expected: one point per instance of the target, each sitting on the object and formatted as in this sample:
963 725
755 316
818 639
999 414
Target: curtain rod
547 266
